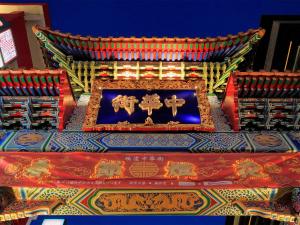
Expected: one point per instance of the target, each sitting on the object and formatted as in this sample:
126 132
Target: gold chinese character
174 102
124 102
109 169
180 169
150 102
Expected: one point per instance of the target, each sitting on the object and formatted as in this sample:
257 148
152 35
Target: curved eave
260 32
149 49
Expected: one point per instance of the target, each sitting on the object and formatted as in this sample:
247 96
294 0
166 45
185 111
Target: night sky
181 18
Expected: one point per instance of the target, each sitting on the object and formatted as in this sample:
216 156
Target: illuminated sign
7 46
53 222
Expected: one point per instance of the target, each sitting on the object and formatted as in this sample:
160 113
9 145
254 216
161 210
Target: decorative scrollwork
149 202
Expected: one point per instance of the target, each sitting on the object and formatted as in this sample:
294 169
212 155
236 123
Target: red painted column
17 25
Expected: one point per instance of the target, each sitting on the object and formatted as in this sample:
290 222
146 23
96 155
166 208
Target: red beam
150 170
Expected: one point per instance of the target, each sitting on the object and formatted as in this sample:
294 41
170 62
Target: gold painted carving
124 102
149 121
38 169
172 123
143 169
109 169
123 123
180 169
249 169
174 103
149 202
150 102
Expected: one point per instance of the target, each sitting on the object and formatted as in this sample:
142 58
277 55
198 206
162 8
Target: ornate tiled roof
31 98
68 51
148 49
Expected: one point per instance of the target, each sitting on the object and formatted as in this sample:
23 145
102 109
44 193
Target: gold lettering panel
148 103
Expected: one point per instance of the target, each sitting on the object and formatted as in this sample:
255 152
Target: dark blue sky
162 17
137 220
